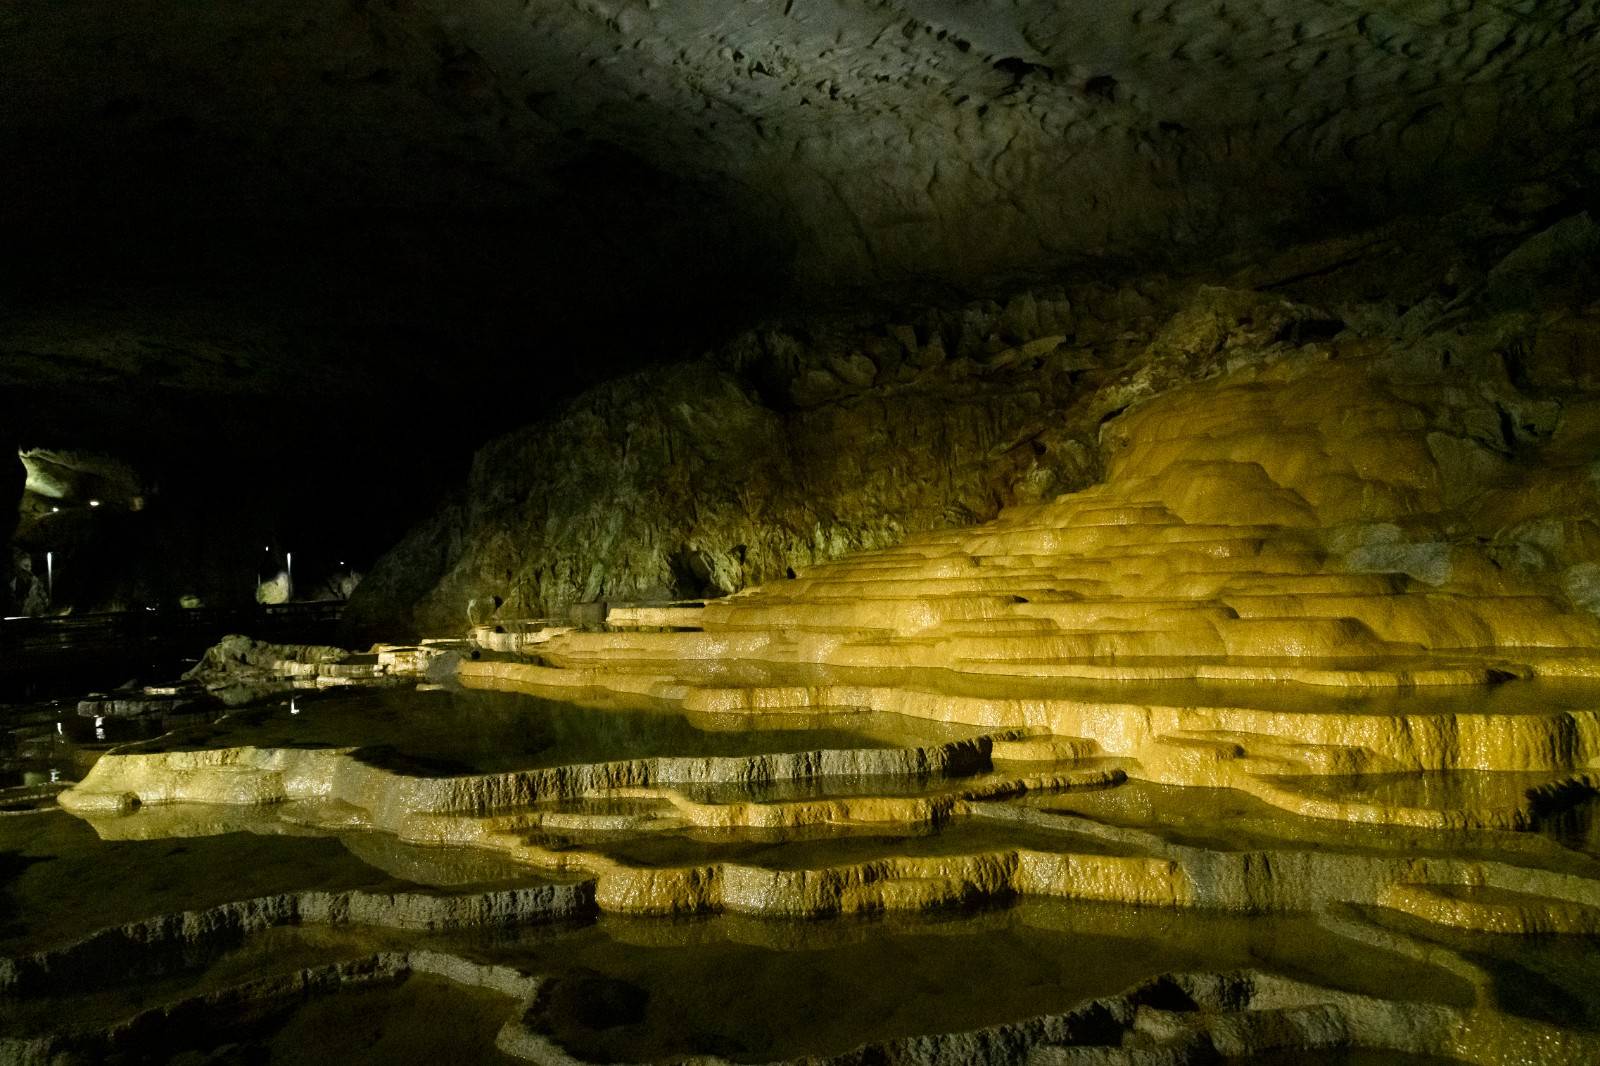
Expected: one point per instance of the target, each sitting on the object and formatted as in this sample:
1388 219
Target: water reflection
449 732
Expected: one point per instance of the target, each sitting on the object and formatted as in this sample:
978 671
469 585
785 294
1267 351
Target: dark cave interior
296 262
682 531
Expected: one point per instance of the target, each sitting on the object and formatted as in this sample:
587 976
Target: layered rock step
825 832
1253 672
1283 524
1070 982
1031 814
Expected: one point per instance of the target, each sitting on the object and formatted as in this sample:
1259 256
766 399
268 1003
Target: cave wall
797 443
322 253
14 587
852 142
98 533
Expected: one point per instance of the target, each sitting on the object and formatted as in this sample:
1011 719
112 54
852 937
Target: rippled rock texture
864 141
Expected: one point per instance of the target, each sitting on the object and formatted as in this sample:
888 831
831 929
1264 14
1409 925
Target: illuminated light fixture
94 503
55 510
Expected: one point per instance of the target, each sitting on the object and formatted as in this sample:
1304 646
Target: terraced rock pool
454 731
404 876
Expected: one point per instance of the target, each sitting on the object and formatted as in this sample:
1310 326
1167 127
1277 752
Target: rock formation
781 450
240 250
1132 534
1314 643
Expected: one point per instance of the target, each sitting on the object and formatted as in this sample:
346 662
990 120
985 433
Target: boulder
238 669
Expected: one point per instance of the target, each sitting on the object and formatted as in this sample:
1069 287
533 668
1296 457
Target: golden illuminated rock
1253 672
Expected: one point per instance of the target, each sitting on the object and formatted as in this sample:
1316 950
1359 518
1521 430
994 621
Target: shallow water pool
465 731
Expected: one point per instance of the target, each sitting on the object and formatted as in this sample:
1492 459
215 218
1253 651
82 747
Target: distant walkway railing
74 632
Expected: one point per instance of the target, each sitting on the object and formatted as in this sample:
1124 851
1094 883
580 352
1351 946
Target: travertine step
1317 584
1194 553
904 614
1034 583
1279 560
1402 672
1089 514
1253 638
665 616
1125 540
1458 799
1493 910
805 590
1150 615
925 802
1003 614
1438 620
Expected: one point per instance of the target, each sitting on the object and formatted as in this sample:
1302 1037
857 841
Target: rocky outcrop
240 670
17 586
791 446
776 451
27 592
237 658
394 218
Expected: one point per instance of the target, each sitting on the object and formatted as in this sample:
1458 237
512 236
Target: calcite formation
1079 664
770 454
1258 670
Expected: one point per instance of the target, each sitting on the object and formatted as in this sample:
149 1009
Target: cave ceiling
214 210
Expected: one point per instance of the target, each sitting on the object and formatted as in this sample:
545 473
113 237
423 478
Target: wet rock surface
1375 938
1064 617
1282 719
239 670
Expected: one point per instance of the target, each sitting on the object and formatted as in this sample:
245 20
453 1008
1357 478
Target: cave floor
444 878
